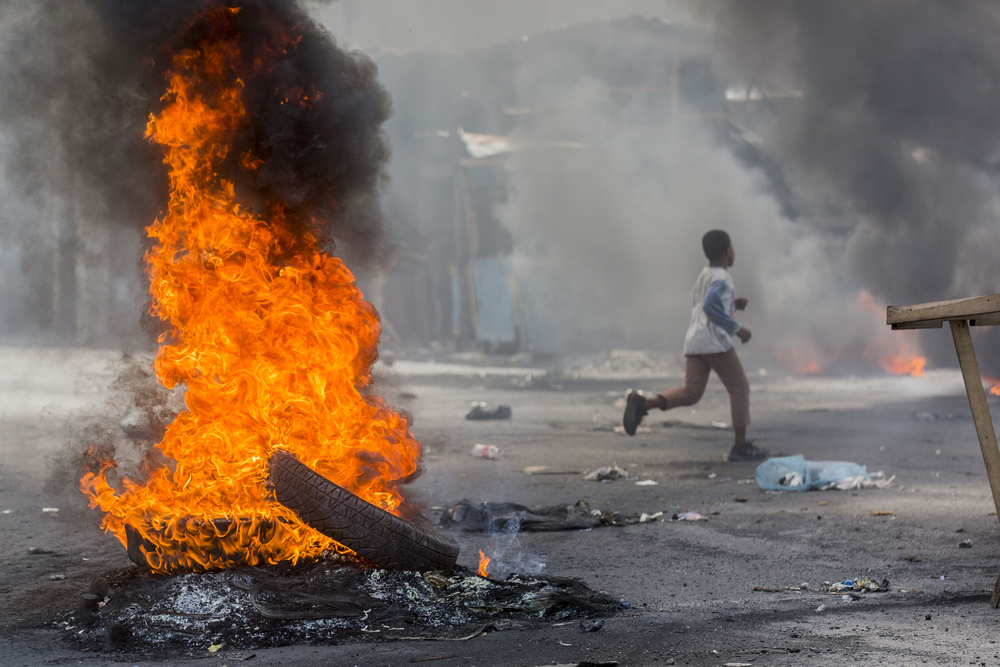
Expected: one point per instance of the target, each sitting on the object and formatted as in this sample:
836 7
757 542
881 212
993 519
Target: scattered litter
914 559
510 518
794 473
965 544
214 648
960 530
591 626
606 474
768 589
8 511
548 470
821 608
38 551
646 482
881 512
863 584
690 516
720 424
491 452
822 503
57 577
741 499
481 412
712 475
624 604
849 598
50 510
942 577
739 664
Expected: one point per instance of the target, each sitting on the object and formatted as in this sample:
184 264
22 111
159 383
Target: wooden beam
925 324
980 409
955 309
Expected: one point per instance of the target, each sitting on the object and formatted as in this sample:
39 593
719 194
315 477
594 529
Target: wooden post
981 417
977 401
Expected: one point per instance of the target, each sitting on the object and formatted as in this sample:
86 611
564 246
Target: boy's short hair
715 244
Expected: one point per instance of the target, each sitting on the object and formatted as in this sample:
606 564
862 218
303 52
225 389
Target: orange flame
994 383
271 339
484 562
908 364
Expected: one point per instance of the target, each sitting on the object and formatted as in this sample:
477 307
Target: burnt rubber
370 531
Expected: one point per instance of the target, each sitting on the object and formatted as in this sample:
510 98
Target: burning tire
370 531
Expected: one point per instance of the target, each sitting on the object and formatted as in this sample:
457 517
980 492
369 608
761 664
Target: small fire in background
994 385
484 562
896 356
800 360
893 352
268 334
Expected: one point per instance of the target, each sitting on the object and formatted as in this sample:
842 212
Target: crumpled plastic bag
794 473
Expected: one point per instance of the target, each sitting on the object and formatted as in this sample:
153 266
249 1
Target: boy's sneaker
749 453
635 410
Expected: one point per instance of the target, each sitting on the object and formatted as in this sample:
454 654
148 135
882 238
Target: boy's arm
716 312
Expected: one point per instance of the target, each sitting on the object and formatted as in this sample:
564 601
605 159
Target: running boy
708 346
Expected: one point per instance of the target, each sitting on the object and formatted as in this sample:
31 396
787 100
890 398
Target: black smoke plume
81 78
895 140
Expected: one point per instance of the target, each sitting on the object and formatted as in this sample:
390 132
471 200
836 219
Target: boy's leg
695 379
729 369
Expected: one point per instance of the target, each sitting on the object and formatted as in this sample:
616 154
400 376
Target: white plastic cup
486 451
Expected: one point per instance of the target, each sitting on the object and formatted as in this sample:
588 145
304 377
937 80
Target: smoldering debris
323 602
509 518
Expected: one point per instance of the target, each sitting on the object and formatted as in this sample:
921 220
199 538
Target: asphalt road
689 584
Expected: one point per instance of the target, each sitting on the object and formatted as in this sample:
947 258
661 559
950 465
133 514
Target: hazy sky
459 25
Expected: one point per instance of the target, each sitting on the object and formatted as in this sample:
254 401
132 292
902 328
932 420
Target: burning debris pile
270 134
325 601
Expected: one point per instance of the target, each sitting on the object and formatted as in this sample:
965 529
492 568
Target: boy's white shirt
703 337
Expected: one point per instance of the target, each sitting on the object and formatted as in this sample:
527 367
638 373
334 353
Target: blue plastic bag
794 473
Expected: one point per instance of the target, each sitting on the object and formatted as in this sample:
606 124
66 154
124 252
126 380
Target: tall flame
269 336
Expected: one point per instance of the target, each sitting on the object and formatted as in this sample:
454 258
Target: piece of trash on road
548 470
741 499
8 511
638 429
794 473
965 544
720 424
822 607
712 475
643 518
913 559
50 510
690 516
215 648
822 503
863 584
491 452
591 626
768 589
481 412
38 551
881 512
57 577
606 474
646 482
